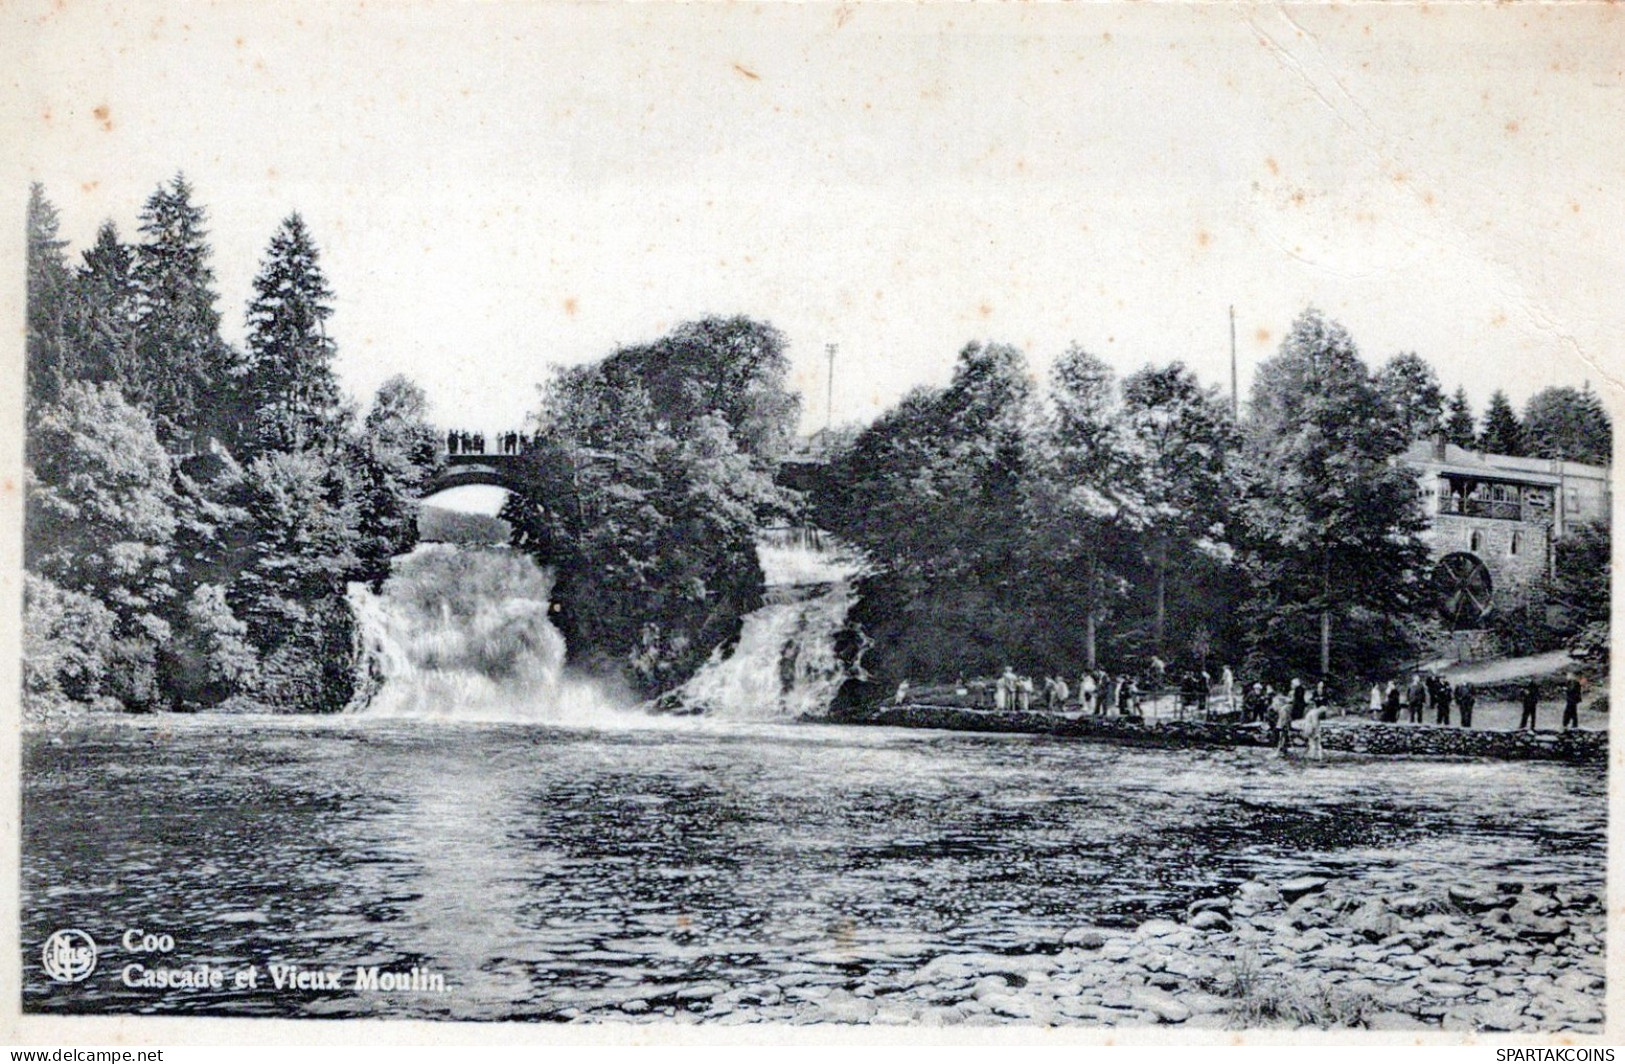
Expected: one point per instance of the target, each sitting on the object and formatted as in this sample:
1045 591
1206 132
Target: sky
496 188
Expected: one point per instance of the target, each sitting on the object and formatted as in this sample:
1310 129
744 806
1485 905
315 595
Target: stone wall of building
1514 573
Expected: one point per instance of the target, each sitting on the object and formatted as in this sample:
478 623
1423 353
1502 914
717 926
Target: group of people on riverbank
1098 691
1298 708
1427 693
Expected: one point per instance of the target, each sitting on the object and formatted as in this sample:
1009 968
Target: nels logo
69 956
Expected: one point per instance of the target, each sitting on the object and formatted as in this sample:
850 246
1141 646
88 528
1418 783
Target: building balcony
1494 509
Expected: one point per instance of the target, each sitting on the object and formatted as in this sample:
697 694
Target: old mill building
1493 519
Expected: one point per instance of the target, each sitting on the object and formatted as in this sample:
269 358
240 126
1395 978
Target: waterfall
784 665
464 633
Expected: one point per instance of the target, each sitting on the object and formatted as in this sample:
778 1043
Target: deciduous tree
1568 423
1185 435
1411 391
1331 519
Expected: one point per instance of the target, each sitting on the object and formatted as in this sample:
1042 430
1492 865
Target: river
631 869
533 847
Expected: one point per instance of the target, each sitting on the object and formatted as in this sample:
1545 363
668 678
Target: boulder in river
1297 887
1084 938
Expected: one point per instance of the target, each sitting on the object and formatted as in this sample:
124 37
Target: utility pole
1235 394
829 399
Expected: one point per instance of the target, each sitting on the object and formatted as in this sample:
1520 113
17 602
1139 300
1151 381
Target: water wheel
1463 589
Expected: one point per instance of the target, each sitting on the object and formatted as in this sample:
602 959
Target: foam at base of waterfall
464 634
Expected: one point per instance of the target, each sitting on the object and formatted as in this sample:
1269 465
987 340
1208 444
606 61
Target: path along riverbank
1342 734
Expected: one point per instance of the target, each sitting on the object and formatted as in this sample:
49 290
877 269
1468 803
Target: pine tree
48 292
1502 433
184 367
103 325
1460 427
290 390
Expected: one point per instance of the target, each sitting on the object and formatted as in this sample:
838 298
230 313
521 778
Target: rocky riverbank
1346 734
1303 952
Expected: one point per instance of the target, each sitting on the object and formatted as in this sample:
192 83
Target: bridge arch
465 470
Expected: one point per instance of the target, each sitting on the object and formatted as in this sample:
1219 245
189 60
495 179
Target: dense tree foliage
1460 427
184 370
1185 435
1331 522
1410 388
103 326
195 514
1502 433
47 287
934 493
101 525
287 379
191 526
644 489
1568 423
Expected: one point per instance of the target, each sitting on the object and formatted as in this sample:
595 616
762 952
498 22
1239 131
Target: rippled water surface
543 870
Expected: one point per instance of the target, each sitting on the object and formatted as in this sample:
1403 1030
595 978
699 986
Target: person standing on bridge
451 441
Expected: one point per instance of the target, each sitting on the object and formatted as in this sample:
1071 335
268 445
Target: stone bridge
800 471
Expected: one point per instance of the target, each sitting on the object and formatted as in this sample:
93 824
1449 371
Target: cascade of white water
784 665
464 633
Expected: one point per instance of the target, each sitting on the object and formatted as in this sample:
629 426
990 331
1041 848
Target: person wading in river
1311 731
1283 724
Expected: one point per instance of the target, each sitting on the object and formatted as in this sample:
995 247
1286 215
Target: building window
1475 542
1517 542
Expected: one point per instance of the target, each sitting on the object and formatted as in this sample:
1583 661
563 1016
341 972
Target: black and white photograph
980 519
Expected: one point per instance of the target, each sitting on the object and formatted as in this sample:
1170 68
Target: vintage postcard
1090 521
